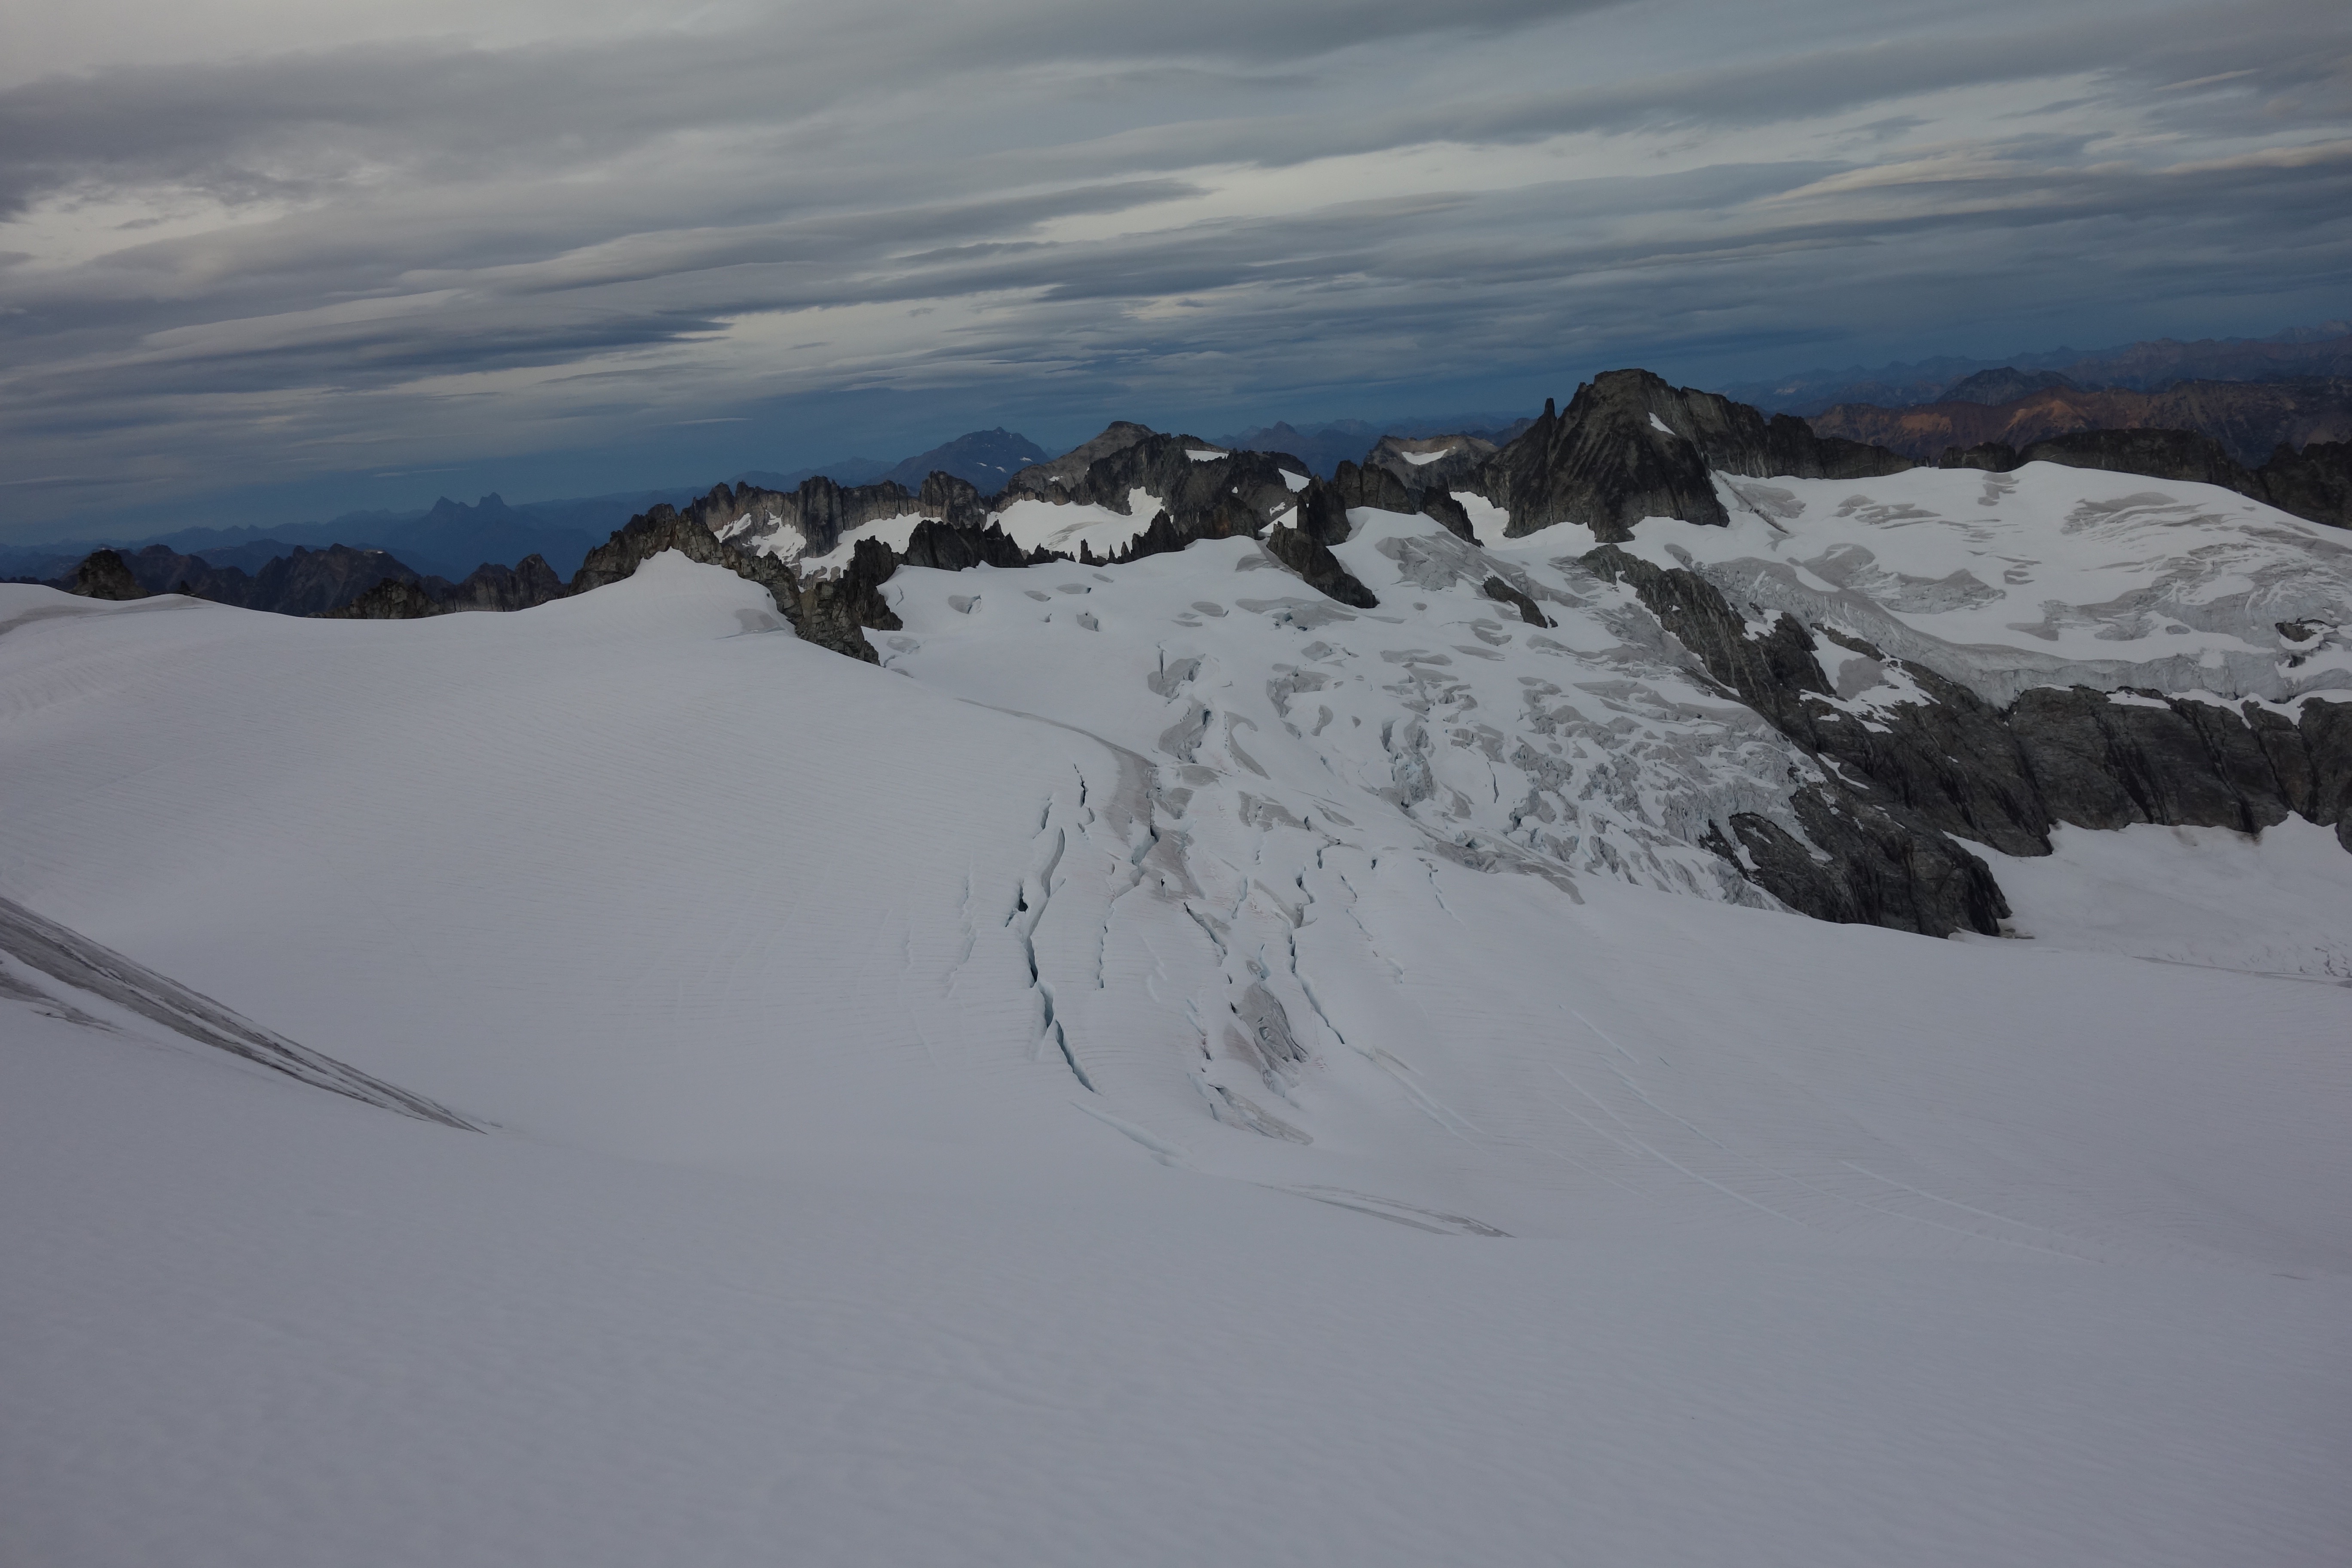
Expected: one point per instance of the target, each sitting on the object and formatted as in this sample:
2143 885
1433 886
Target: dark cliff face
1325 503
389 600
1439 462
829 615
1317 567
1226 495
2314 484
1050 480
1883 861
2160 454
664 527
529 582
1630 446
103 574
1901 789
2182 454
821 509
1235 492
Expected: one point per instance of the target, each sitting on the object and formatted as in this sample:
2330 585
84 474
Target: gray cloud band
340 249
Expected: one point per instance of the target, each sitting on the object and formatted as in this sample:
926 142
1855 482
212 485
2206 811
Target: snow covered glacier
1170 1067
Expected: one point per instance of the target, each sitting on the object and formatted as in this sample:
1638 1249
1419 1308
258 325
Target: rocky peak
104 575
1040 479
1631 446
983 459
1441 461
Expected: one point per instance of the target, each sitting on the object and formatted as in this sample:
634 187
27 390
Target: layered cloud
235 246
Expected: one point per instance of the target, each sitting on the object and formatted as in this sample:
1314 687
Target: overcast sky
298 256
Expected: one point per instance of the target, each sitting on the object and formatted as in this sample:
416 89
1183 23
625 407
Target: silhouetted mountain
302 583
453 539
984 459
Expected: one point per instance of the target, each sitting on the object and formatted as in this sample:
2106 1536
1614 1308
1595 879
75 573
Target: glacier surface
1167 1069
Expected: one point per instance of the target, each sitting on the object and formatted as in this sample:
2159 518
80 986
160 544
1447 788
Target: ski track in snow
903 1083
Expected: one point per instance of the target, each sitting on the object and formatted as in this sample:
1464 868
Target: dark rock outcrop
1382 489
2314 484
1631 446
1873 867
820 510
1944 764
1889 861
1502 593
1323 512
529 583
1226 519
389 600
1213 496
952 500
1314 562
1989 456
961 546
103 574
1047 480
664 527
834 611
1436 462
1374 486
2112 759
1448 512
2182 454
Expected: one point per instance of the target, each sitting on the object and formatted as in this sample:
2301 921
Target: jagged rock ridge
2315 483
1880 830
1630 446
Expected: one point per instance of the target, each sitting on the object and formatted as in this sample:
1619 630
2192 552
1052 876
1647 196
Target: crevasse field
1166 1070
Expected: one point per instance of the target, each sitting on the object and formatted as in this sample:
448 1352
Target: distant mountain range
2250 419
2249 394
1326 446
449 540
984 458
2325 350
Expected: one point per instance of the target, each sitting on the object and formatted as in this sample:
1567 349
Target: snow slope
1000 1108
2047 576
